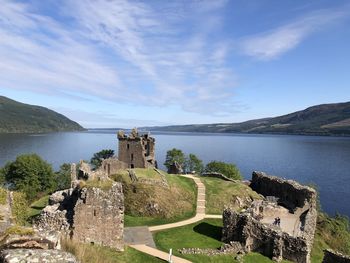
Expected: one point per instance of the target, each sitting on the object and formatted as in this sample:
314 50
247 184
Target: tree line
192 164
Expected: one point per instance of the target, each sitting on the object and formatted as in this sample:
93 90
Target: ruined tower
137 151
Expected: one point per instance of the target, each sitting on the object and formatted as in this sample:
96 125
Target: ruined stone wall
136 151
111 166
290 193
99 217
331 256
255 236
89 215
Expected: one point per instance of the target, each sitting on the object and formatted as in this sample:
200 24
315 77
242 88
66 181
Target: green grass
203 234
220 193
178 202
140 173
35 208
87 253
19 230
102 184
3 196
331 232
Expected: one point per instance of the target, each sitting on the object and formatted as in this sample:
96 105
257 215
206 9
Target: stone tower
137 151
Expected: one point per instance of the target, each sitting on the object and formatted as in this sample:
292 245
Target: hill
16 117
325 119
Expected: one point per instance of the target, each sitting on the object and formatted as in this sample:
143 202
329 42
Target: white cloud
124 51
274 43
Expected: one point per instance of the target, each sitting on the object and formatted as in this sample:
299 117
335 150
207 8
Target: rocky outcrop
36 255
331 256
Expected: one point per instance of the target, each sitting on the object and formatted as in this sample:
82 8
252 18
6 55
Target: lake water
324 161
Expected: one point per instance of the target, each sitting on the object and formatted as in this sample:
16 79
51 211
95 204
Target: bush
96 160
174 155
227 169
30 174
63 177
192 163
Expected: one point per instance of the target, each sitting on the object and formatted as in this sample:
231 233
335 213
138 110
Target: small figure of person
278 221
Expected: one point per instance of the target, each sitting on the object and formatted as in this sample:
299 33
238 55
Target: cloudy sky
119 63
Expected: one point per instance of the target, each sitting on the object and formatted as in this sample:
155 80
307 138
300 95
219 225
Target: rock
36 255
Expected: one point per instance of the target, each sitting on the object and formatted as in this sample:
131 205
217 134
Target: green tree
98 157
30 174
227 169
63 177
174 155
193 163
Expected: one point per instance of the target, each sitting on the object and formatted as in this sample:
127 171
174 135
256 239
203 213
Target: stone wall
255 236
90 215
267 239
137 151
218 175
331 256
111 166
290 193
99 217
36 255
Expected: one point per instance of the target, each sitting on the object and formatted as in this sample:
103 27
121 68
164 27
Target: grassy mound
220 193
152 203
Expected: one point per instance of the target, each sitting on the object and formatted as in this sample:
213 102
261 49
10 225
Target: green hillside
325 119
16 117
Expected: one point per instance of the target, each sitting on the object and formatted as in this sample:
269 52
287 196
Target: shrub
174 155
30 174
227 169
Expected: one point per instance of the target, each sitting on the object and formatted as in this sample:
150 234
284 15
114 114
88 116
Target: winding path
141 245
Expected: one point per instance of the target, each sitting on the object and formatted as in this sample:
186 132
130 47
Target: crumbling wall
99 217
90 215
255 236
290 193
267 239
331 256
112 166
137 151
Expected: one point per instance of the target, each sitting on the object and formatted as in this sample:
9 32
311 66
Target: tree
63 177
30 174
193 163
174 155
227 169
98 157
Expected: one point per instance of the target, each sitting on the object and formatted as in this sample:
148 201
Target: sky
119 63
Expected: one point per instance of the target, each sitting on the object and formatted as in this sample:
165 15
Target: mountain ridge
323 119
18 117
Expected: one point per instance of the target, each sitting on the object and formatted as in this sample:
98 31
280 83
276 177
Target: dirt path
138 242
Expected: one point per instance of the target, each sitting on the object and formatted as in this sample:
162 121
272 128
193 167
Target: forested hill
325 119
16 117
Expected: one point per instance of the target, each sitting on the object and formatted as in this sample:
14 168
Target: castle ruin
256 229
137 151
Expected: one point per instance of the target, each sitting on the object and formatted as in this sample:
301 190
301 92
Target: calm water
324 161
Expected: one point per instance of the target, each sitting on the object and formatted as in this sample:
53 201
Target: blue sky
118 63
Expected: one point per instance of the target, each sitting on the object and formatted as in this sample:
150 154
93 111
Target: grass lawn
87 253
220 193
35 208
176 183
203 234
